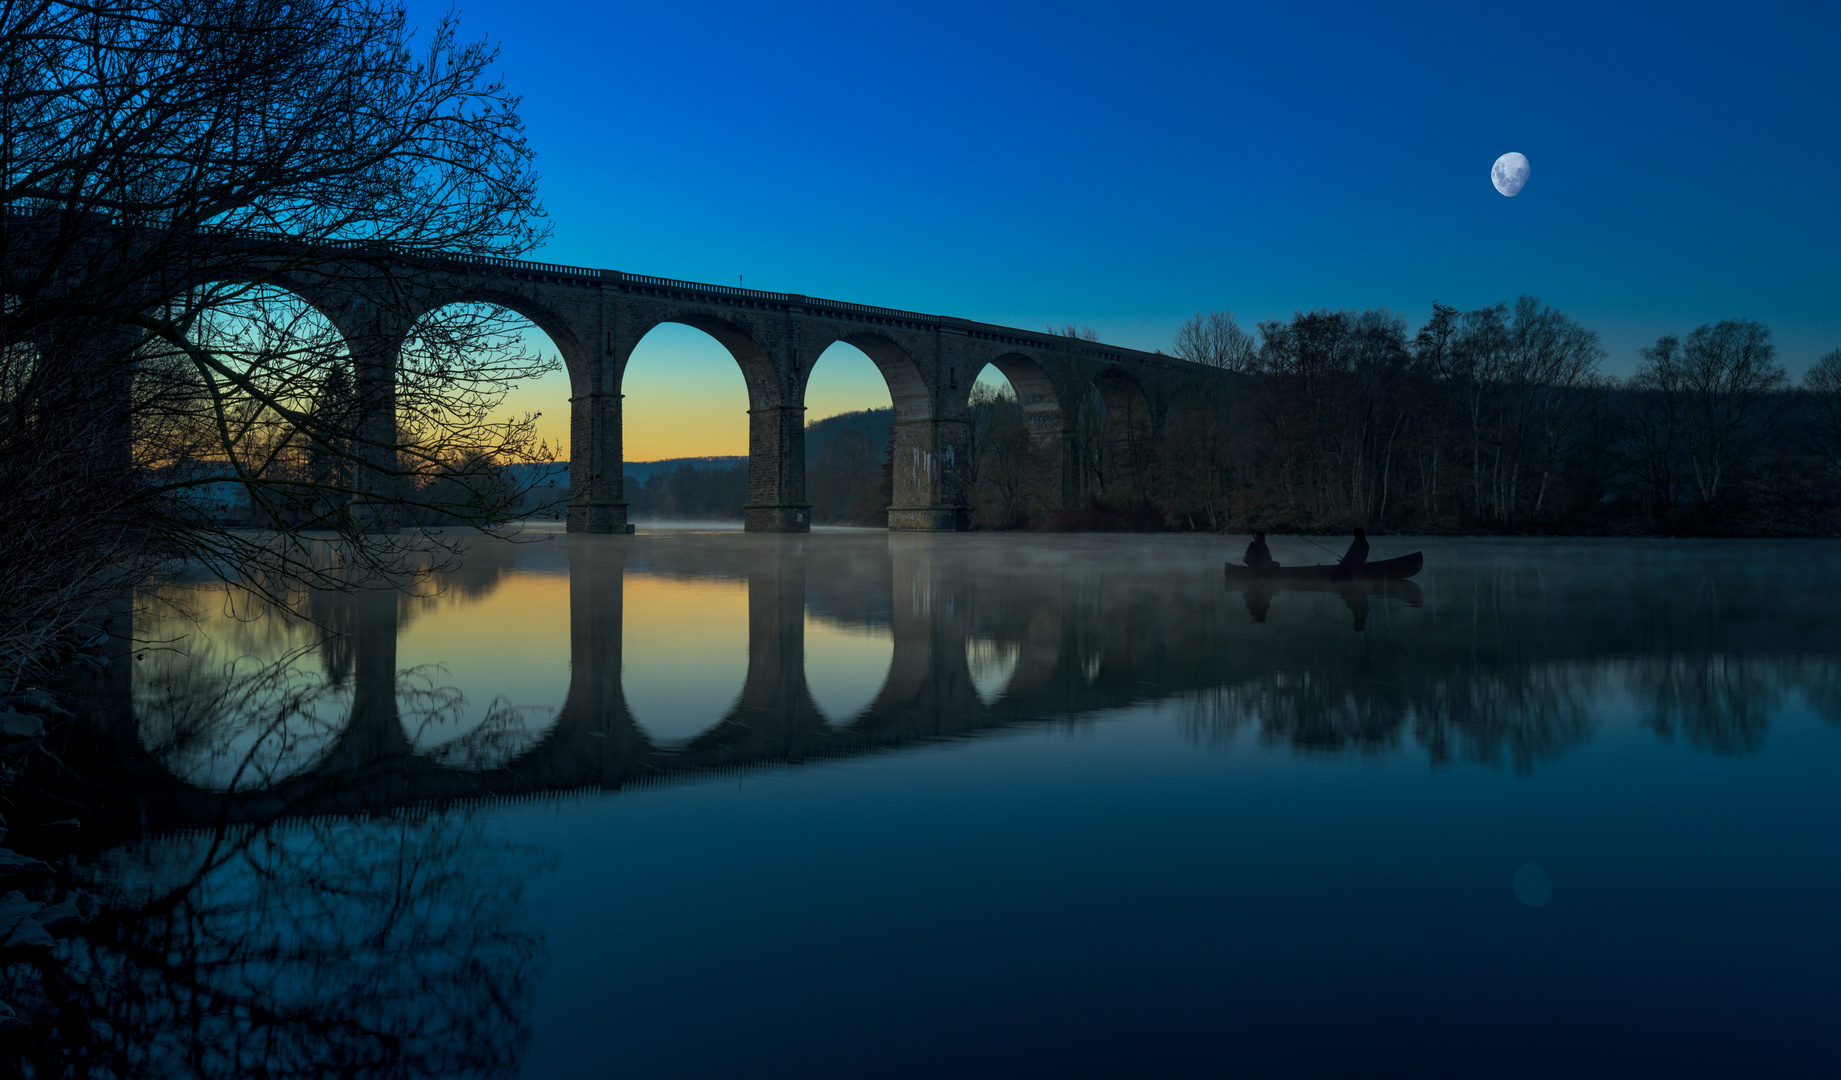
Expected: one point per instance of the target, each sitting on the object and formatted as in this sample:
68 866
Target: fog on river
699 649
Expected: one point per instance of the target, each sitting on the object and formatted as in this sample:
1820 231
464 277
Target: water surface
711 804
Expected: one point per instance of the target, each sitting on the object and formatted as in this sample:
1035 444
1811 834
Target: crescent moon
1509 173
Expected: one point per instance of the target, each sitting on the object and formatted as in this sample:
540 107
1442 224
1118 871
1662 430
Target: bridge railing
676 284
776 298
395 247
523 264
695 286
878 312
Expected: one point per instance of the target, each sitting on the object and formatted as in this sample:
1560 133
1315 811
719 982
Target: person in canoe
1354 559
1357 555
1259 556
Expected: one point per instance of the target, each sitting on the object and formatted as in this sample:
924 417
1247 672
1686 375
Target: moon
1509 173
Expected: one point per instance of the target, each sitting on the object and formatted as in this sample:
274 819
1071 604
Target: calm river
858 804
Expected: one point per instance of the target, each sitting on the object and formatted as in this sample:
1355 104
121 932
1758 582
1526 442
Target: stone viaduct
597 317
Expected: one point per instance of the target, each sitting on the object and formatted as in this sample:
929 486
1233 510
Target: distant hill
646 470
876 425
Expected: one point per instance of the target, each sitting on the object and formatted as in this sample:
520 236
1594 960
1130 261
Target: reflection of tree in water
228 690
1529 714
435 719
1718 703
1522 645
239 724
1520 714
234 691
327 947
1526 718
1819 685
1287 708
248 725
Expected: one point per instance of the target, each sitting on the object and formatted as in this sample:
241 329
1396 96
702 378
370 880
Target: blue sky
1124 166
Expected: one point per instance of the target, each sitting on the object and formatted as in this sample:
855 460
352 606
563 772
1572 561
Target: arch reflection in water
992 665
231 691
710 651
483 668
684 654
846 666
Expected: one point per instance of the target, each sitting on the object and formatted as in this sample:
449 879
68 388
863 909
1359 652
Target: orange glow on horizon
684 396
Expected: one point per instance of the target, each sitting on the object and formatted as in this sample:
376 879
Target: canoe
1384 570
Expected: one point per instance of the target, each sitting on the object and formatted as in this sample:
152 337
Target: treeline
848 475
847 478
1498 419
689 493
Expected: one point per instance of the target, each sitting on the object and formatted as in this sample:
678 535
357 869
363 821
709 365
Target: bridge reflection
978 634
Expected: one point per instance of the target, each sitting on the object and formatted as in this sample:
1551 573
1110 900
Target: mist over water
707 803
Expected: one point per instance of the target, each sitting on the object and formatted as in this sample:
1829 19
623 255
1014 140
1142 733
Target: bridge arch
1036 390
278 370
503 341
775 499
674 388
908 393
570 340
750 356
1022 452
858 390
333 298
327 306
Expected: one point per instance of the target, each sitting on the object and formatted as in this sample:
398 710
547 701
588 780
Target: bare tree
1822 401
333 946
1732 380
1548 378
146 146
1215 339
1649 450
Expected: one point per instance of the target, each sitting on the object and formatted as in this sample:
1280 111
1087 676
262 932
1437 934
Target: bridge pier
374 323
374 381
597 502
776 471
930 683
930 462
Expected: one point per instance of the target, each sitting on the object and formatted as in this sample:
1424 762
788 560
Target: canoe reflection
1260 591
